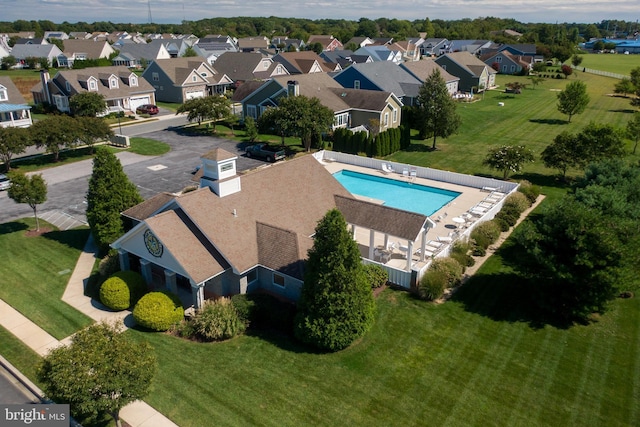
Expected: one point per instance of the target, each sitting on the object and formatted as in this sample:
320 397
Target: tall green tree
55 133
624 86
598 141
437 109
92 130
573 99
508 158
562 153
13 141
214 108
87 104
633 130
635 81
336 306
99 372
110 192
31 190
304 117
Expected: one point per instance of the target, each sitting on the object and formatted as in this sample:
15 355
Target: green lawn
18 354
149 147
619 64
531 119
35 273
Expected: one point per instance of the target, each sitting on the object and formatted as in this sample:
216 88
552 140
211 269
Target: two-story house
475 76
246 66
14 111
80 50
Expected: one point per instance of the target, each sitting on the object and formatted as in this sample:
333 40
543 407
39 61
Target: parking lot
171 172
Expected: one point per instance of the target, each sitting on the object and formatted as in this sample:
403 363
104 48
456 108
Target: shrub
450 267
245 307
109 265
376 275
460 252
265 311
122 290
433 284
502 224
217 320
185 329
479 251
510 214
158 311
531 191
485 234
519 201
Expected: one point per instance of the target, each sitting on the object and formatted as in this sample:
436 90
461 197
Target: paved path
136 414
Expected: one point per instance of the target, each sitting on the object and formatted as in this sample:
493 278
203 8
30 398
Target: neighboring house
252 44
344 58
434 47
352 108
5 50
475 76
175 47
474 47
506 63
134 55
32 40
304 62
80 50
55 35
328 42
180 79
80 35
380 53
528 49
14 111
360 41
121 88
23 51
211 48
423 69
384 76
409 51
246 66
285 44
228 238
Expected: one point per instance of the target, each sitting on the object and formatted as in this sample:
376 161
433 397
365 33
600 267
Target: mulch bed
35 233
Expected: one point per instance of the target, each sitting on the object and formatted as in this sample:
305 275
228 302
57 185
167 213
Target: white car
4 182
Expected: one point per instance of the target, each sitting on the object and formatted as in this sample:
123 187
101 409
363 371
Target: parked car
147 109
264 151
5 183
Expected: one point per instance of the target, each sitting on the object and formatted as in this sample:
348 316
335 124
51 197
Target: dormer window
68 86
133 80
3 93
93 85
113 82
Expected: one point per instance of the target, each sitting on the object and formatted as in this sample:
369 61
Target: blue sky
174 11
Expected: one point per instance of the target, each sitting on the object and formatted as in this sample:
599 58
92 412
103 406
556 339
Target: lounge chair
413 173
387 168
446 239
405 172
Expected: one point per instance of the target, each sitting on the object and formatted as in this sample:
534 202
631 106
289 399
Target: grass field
530 119
35 272
619 64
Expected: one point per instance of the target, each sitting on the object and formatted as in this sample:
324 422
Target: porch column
423 244
409 254
145 268
197 292
170 280
123 258
353 231
372 242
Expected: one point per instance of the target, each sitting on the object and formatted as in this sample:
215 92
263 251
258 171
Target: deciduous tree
633 130
437 109
110 192
99 372
573 99
31 190
55 133
87 104
336 306
624 86
508 158
92 130
13 141
215 108
562 153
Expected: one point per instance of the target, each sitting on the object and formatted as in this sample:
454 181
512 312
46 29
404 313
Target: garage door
136 102
195 94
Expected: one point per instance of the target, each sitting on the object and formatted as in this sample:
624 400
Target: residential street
172 172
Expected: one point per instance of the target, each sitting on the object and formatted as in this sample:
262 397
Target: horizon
172 12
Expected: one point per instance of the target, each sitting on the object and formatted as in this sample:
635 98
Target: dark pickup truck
264 151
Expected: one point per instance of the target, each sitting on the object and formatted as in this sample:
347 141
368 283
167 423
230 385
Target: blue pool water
396 194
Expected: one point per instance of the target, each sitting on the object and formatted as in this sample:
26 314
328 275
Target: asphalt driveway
171 172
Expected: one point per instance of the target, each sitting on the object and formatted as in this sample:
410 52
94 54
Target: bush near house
122 290
217 320
377 275
383 144
519 201
483 236
460 252
264 311
531 191
432 285
158 311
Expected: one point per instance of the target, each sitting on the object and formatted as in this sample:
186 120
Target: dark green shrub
531 191
502 224
451 269
264 311
432 284
376 275
485 234
244 307
519 201
158 311
122 290
217 320
479 251
185 329
460 252
510 214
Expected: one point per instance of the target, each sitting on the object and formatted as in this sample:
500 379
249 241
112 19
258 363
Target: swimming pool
396 194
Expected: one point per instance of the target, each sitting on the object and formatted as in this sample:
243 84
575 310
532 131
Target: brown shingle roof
92 48
424 68
396 222
150 206
278 250
13 94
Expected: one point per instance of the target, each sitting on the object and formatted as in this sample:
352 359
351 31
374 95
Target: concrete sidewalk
136 414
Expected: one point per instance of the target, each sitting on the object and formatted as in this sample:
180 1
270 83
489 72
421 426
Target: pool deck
468 198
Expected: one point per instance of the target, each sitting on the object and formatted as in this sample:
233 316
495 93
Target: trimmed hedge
158 311
485 234
432 284
529 190
451 268
217 320
122 290
519 201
